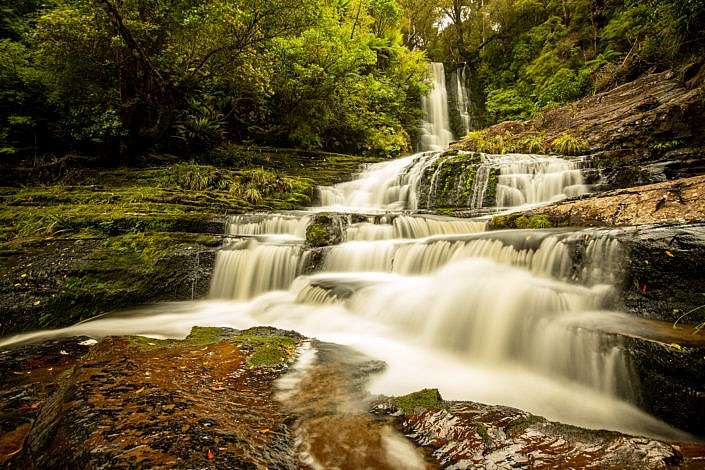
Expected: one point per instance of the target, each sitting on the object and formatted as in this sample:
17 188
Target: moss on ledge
428 398
522 220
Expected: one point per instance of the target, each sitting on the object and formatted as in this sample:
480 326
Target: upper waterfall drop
437 134
461 97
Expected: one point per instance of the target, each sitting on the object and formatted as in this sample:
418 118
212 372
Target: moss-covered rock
317 234
428 399
521 220
326 229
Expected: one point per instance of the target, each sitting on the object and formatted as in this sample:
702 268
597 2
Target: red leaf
644 289
210 455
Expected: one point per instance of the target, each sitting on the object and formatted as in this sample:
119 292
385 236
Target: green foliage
184 77
192 177
480 141
508 104
532 144
666 145
681 315
569 145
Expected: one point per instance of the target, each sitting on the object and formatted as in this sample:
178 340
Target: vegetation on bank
76 243
538 143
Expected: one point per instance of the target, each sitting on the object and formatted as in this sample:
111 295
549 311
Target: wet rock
465 435
29 374
57 282
155 403
672 379
326 229
678 201
334 429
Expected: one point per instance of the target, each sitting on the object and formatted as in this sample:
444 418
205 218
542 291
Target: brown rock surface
676 201
471 435
653 108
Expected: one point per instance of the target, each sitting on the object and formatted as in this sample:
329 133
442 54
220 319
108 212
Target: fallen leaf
28 407
37 302
644 289
23 276
676 346
217 389
646 261
231 403
668 253
19 373
210 454
139 391
265 431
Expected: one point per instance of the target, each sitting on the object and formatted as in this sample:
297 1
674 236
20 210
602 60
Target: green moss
268 350
520 220
428 398
491 191
469 178
482 432
200 335
446 211
197 337
317 234
145 343
520 424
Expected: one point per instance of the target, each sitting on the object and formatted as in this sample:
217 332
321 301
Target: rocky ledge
678 201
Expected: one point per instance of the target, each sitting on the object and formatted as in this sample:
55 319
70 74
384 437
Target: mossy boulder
325 229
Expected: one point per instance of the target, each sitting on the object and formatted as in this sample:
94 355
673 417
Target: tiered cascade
520 318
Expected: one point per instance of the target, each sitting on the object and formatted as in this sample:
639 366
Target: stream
501 317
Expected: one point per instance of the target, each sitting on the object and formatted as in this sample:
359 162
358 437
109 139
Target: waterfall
459 78
531 179
253 268
437 134
521 318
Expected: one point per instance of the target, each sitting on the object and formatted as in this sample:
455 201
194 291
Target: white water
437 134
495 318
462 99
531 179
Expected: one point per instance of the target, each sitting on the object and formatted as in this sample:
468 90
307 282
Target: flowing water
437 134
459 80
496 317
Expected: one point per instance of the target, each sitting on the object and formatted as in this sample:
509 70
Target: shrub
532 144
569 145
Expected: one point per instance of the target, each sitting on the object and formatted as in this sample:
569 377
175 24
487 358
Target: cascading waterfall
516 317
531 179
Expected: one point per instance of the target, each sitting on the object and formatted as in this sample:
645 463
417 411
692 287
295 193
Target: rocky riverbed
269 398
